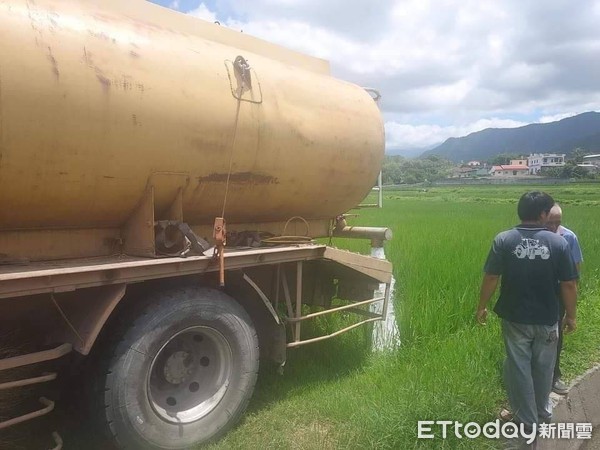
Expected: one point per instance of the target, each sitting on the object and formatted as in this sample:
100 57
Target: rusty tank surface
101 99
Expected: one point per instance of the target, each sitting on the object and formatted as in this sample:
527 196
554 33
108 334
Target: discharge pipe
377 235
386 335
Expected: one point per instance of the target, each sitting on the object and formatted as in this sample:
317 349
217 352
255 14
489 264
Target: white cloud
202 12
298 36
174 5
403 136
555 117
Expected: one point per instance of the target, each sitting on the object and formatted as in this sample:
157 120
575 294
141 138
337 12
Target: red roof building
509 171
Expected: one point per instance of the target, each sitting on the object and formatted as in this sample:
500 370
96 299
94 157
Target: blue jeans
529 368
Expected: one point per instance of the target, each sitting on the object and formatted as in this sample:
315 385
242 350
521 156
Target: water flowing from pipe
386 335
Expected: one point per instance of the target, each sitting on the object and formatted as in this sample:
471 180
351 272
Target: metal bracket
85 319
162 199
48 407
295 317
138 231
28 381
32 358
174 238
243 80
242 72
263 297
374 93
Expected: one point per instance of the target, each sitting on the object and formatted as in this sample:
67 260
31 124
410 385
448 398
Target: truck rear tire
182 373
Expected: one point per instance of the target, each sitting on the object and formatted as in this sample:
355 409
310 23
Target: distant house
591 163
592 168
512 170
463 172
518 162
474 164
592 159
482 171
538 161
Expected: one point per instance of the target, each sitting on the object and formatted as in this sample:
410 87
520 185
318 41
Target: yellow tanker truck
162 180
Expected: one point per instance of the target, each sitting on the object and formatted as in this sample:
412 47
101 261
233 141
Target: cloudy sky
445 67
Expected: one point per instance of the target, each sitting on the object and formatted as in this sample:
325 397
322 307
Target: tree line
400 170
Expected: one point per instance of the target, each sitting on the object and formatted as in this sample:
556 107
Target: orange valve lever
219 234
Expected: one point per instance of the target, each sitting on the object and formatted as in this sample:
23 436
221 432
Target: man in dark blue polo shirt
530 260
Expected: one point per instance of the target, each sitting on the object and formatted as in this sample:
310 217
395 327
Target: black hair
533 204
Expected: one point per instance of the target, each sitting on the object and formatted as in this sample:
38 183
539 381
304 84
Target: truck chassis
73 303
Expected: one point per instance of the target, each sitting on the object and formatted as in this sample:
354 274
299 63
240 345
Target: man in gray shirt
555 225
531 261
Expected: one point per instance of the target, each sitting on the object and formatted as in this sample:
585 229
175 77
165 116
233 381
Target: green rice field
338 395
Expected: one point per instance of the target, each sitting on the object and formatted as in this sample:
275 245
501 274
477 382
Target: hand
569 325
481 316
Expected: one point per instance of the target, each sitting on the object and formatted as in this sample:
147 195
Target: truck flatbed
68 275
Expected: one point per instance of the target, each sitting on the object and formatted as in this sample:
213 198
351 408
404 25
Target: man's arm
488 287
568 295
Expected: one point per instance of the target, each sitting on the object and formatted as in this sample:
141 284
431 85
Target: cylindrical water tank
100 98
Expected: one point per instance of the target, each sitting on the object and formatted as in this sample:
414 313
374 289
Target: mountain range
409 152
563 136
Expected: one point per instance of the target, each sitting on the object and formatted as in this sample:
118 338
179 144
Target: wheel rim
190 375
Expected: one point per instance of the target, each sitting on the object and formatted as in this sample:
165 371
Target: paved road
594 443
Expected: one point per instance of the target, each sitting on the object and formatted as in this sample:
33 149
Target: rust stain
239 178
30 15
106 83
204 145
87 58
53 22
101 35
53 63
